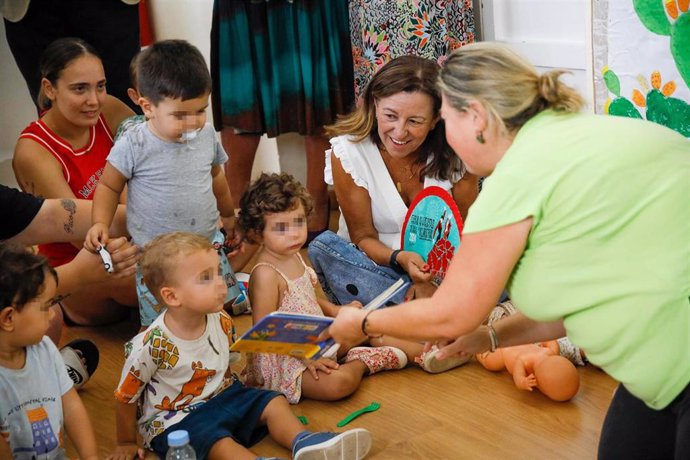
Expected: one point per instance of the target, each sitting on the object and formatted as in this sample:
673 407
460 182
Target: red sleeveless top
81 168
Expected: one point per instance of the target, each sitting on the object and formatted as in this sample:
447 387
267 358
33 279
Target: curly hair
270 194
22 275
163 254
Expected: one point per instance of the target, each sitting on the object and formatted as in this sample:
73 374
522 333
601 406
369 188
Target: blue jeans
346 273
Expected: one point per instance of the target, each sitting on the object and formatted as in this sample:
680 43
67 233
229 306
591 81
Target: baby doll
538 366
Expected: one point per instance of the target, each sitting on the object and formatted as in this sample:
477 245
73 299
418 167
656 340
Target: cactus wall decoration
653 98
653 14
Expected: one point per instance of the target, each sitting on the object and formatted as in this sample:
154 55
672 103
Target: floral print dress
385 29
283 373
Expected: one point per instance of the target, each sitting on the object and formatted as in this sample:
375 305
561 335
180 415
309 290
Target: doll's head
267 195
557 378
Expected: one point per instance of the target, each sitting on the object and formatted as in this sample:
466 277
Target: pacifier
190 135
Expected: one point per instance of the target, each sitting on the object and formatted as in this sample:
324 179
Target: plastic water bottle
178 446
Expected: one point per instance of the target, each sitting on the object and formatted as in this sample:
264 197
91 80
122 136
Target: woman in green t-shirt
585 219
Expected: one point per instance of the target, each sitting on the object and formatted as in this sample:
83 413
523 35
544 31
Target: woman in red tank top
63 153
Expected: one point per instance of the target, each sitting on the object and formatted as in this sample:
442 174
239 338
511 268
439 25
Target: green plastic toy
370 408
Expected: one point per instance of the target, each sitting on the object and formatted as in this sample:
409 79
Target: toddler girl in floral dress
273 212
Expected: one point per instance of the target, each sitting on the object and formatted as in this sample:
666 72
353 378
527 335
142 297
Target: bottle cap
178 438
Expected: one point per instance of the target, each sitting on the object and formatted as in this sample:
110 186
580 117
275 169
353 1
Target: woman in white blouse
383 154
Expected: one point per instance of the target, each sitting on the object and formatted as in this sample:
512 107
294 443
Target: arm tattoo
71 207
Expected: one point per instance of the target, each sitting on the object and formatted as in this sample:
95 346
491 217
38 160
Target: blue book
297 334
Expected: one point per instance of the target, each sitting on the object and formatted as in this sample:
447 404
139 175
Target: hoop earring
480 138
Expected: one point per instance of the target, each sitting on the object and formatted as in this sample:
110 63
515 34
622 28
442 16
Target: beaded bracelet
493 337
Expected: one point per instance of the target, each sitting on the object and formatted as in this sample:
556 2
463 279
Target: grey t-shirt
170 186
31 418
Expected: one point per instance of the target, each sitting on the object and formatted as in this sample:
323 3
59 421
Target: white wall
550 33
17 108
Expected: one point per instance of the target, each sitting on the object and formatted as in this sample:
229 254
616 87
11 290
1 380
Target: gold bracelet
364 326
493 337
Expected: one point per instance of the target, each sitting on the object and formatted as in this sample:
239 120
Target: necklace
408 172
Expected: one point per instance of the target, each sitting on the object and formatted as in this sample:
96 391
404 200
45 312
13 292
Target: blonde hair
162 256
508 86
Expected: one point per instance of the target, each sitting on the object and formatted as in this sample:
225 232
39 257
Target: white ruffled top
363 162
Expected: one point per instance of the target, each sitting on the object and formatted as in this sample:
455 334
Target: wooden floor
465 413
468 412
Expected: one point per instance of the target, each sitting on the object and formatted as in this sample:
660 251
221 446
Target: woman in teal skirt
280 66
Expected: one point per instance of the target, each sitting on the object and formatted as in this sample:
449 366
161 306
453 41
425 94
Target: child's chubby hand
127 452
229 227
96 237
325 365
234 239
124 257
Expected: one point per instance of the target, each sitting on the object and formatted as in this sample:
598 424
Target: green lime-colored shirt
609 248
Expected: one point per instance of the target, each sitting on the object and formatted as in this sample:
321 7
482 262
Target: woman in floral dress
382 30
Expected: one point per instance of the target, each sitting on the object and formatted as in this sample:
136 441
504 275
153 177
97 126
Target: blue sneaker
350 445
